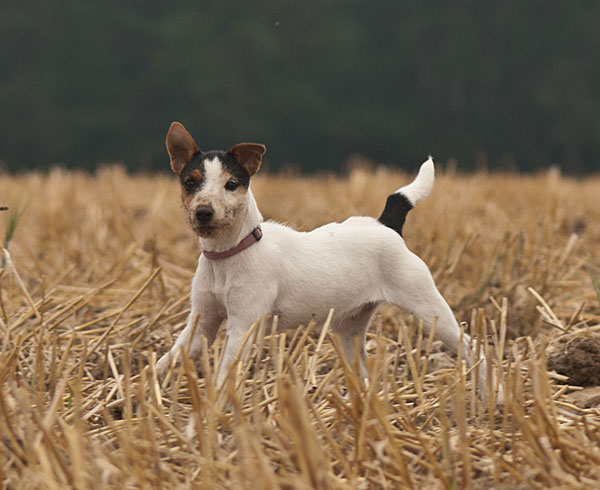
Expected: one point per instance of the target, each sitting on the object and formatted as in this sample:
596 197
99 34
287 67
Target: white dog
250 268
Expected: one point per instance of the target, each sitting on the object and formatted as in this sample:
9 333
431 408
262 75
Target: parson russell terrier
250 267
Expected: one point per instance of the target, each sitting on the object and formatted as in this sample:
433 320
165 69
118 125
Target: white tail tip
420 188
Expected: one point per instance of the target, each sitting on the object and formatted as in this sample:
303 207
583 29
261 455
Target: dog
250 267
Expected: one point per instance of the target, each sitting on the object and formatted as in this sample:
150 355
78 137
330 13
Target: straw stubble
96 287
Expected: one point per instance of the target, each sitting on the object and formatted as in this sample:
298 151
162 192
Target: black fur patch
230 164
394 214
196 163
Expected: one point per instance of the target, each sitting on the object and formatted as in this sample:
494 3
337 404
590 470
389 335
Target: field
95 284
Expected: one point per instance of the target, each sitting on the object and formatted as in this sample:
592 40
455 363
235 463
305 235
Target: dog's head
214 184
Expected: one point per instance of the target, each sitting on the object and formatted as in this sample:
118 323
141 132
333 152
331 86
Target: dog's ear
249 156
181 147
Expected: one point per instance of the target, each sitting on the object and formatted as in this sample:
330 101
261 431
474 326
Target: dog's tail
403 200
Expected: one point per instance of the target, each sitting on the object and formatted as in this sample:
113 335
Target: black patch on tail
397 207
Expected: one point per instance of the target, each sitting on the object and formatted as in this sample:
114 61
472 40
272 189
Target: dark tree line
83 82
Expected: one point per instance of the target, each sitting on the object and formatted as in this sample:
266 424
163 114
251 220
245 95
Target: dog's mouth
204 231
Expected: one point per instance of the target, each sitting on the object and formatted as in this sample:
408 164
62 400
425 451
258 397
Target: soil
586 397
579 359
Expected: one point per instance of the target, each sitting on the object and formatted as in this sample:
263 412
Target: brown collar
254 236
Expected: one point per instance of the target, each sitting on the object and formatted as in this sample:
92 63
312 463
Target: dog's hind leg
349 330
411 287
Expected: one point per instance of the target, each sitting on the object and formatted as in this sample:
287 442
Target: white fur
420 188
352 267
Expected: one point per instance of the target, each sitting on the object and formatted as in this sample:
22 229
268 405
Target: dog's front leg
204 320
245 303
236 331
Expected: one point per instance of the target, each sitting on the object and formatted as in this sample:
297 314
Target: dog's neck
230 237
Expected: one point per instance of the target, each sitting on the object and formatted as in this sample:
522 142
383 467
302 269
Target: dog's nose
204 213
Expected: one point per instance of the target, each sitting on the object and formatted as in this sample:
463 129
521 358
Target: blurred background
503 85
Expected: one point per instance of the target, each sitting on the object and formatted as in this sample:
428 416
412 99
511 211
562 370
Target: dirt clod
586 397
579 359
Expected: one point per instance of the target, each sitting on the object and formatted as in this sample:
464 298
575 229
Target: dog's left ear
249 156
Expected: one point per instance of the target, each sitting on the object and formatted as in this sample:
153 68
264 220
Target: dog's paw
500 396
162 365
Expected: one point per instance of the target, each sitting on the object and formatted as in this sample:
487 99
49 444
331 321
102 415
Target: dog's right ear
181 147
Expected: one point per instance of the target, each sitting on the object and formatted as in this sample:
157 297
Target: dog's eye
231 185
190 184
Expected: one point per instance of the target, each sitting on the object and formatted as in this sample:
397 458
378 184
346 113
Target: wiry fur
352 267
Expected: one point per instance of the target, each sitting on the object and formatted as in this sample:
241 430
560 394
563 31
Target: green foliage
89 82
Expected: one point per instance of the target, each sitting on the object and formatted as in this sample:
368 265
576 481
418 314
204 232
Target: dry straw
95 287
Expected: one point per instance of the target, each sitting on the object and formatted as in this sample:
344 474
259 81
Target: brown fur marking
181 147
227 175
249 156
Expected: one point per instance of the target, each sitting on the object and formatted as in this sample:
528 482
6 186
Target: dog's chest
213 278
